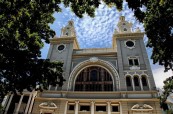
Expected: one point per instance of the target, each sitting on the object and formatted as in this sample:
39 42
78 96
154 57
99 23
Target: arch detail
94 61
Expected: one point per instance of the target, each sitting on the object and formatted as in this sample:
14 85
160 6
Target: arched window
93 75
144 83
136 83
94 79
129 83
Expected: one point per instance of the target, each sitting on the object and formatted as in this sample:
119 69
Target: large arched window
94 79
144 83
94 75
129 83
137 83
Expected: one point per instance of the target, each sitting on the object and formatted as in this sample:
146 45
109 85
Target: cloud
160 75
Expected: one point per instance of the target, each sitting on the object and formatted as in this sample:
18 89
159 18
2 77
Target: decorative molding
133 72
139 108
87 63
134 68
48 105
94 59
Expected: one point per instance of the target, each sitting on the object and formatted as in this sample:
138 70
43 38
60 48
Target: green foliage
158 25
168 89
24 26
80 7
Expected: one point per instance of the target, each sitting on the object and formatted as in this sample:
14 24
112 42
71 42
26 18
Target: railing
129 88
99 95
137 88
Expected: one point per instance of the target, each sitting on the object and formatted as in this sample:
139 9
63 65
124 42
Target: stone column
49 87
133 85
19 104
65 109
5 100
148 82
32 102
76 107
92 107
109 107
8 105
120 108
28 103
140 83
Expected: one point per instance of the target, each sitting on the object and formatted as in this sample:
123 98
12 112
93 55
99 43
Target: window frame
133 61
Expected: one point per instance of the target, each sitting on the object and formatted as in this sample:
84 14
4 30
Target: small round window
61 47
130 43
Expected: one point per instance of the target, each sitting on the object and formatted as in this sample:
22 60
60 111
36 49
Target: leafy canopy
24 26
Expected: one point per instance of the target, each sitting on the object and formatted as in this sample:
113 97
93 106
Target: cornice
64 39
129 35
96 100
102 92
105 54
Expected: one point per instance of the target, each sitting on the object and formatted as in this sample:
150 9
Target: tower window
66 33
61 47
129 43
136 81
133 62
144 81
125 29
128 81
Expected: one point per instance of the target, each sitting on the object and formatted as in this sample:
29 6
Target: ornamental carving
143 107
93 59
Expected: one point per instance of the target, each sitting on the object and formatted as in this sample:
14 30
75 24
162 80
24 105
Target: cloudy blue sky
97 32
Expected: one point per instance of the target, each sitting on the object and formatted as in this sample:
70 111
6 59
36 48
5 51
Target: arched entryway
97 63
94 78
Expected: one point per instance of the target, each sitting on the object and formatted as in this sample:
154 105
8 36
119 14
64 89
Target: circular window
61 47
130 43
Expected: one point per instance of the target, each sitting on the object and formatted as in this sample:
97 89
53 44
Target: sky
97 32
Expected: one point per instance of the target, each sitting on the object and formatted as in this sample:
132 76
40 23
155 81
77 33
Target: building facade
116 80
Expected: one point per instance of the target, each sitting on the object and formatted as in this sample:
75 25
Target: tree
24 26
167 90
158 26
